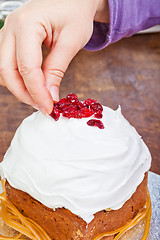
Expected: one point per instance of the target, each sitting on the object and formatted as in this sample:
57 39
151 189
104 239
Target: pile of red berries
71 107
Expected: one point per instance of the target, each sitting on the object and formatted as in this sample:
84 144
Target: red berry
79 105
62 101
79 115
61 104
55 114
85 112
72 98
96 107
71 107
69 114
95 123
98 114
88 102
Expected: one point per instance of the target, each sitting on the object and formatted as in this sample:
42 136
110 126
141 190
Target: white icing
69 164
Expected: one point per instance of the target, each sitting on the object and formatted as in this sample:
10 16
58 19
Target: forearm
126 17
102 13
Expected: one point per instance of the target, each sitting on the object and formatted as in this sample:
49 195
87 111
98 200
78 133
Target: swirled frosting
69 164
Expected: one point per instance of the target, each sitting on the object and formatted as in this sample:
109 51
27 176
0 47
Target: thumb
57 63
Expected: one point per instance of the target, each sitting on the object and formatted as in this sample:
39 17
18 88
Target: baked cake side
62 224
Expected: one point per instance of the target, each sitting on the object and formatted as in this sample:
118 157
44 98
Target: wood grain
126 73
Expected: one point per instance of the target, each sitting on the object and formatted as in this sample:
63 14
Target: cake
79 175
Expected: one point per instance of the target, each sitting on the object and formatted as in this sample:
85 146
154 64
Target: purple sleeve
126 18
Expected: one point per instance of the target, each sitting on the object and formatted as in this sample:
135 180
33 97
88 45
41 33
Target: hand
65 26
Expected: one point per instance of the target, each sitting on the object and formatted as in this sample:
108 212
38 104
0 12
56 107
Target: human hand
65 26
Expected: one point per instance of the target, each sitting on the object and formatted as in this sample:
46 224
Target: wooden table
126 73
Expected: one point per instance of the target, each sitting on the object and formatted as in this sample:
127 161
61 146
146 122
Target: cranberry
98 114
79 105
85 112
71 107
55 114
95 123
79 115
69 114
72 98
88 102
56 105
61 104
62 101
96 107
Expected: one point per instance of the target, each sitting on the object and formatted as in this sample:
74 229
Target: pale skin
65 26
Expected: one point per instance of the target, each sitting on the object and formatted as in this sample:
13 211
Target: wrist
102 12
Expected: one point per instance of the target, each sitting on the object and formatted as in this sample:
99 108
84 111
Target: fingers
21 60
57 62
29 60
9 75
2 83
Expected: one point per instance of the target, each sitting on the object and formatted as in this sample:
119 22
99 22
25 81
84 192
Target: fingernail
54 91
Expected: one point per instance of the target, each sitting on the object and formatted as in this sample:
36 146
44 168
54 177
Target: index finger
29 60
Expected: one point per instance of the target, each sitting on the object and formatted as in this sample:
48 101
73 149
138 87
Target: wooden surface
125 73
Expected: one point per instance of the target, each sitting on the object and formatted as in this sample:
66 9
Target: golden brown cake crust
62 224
